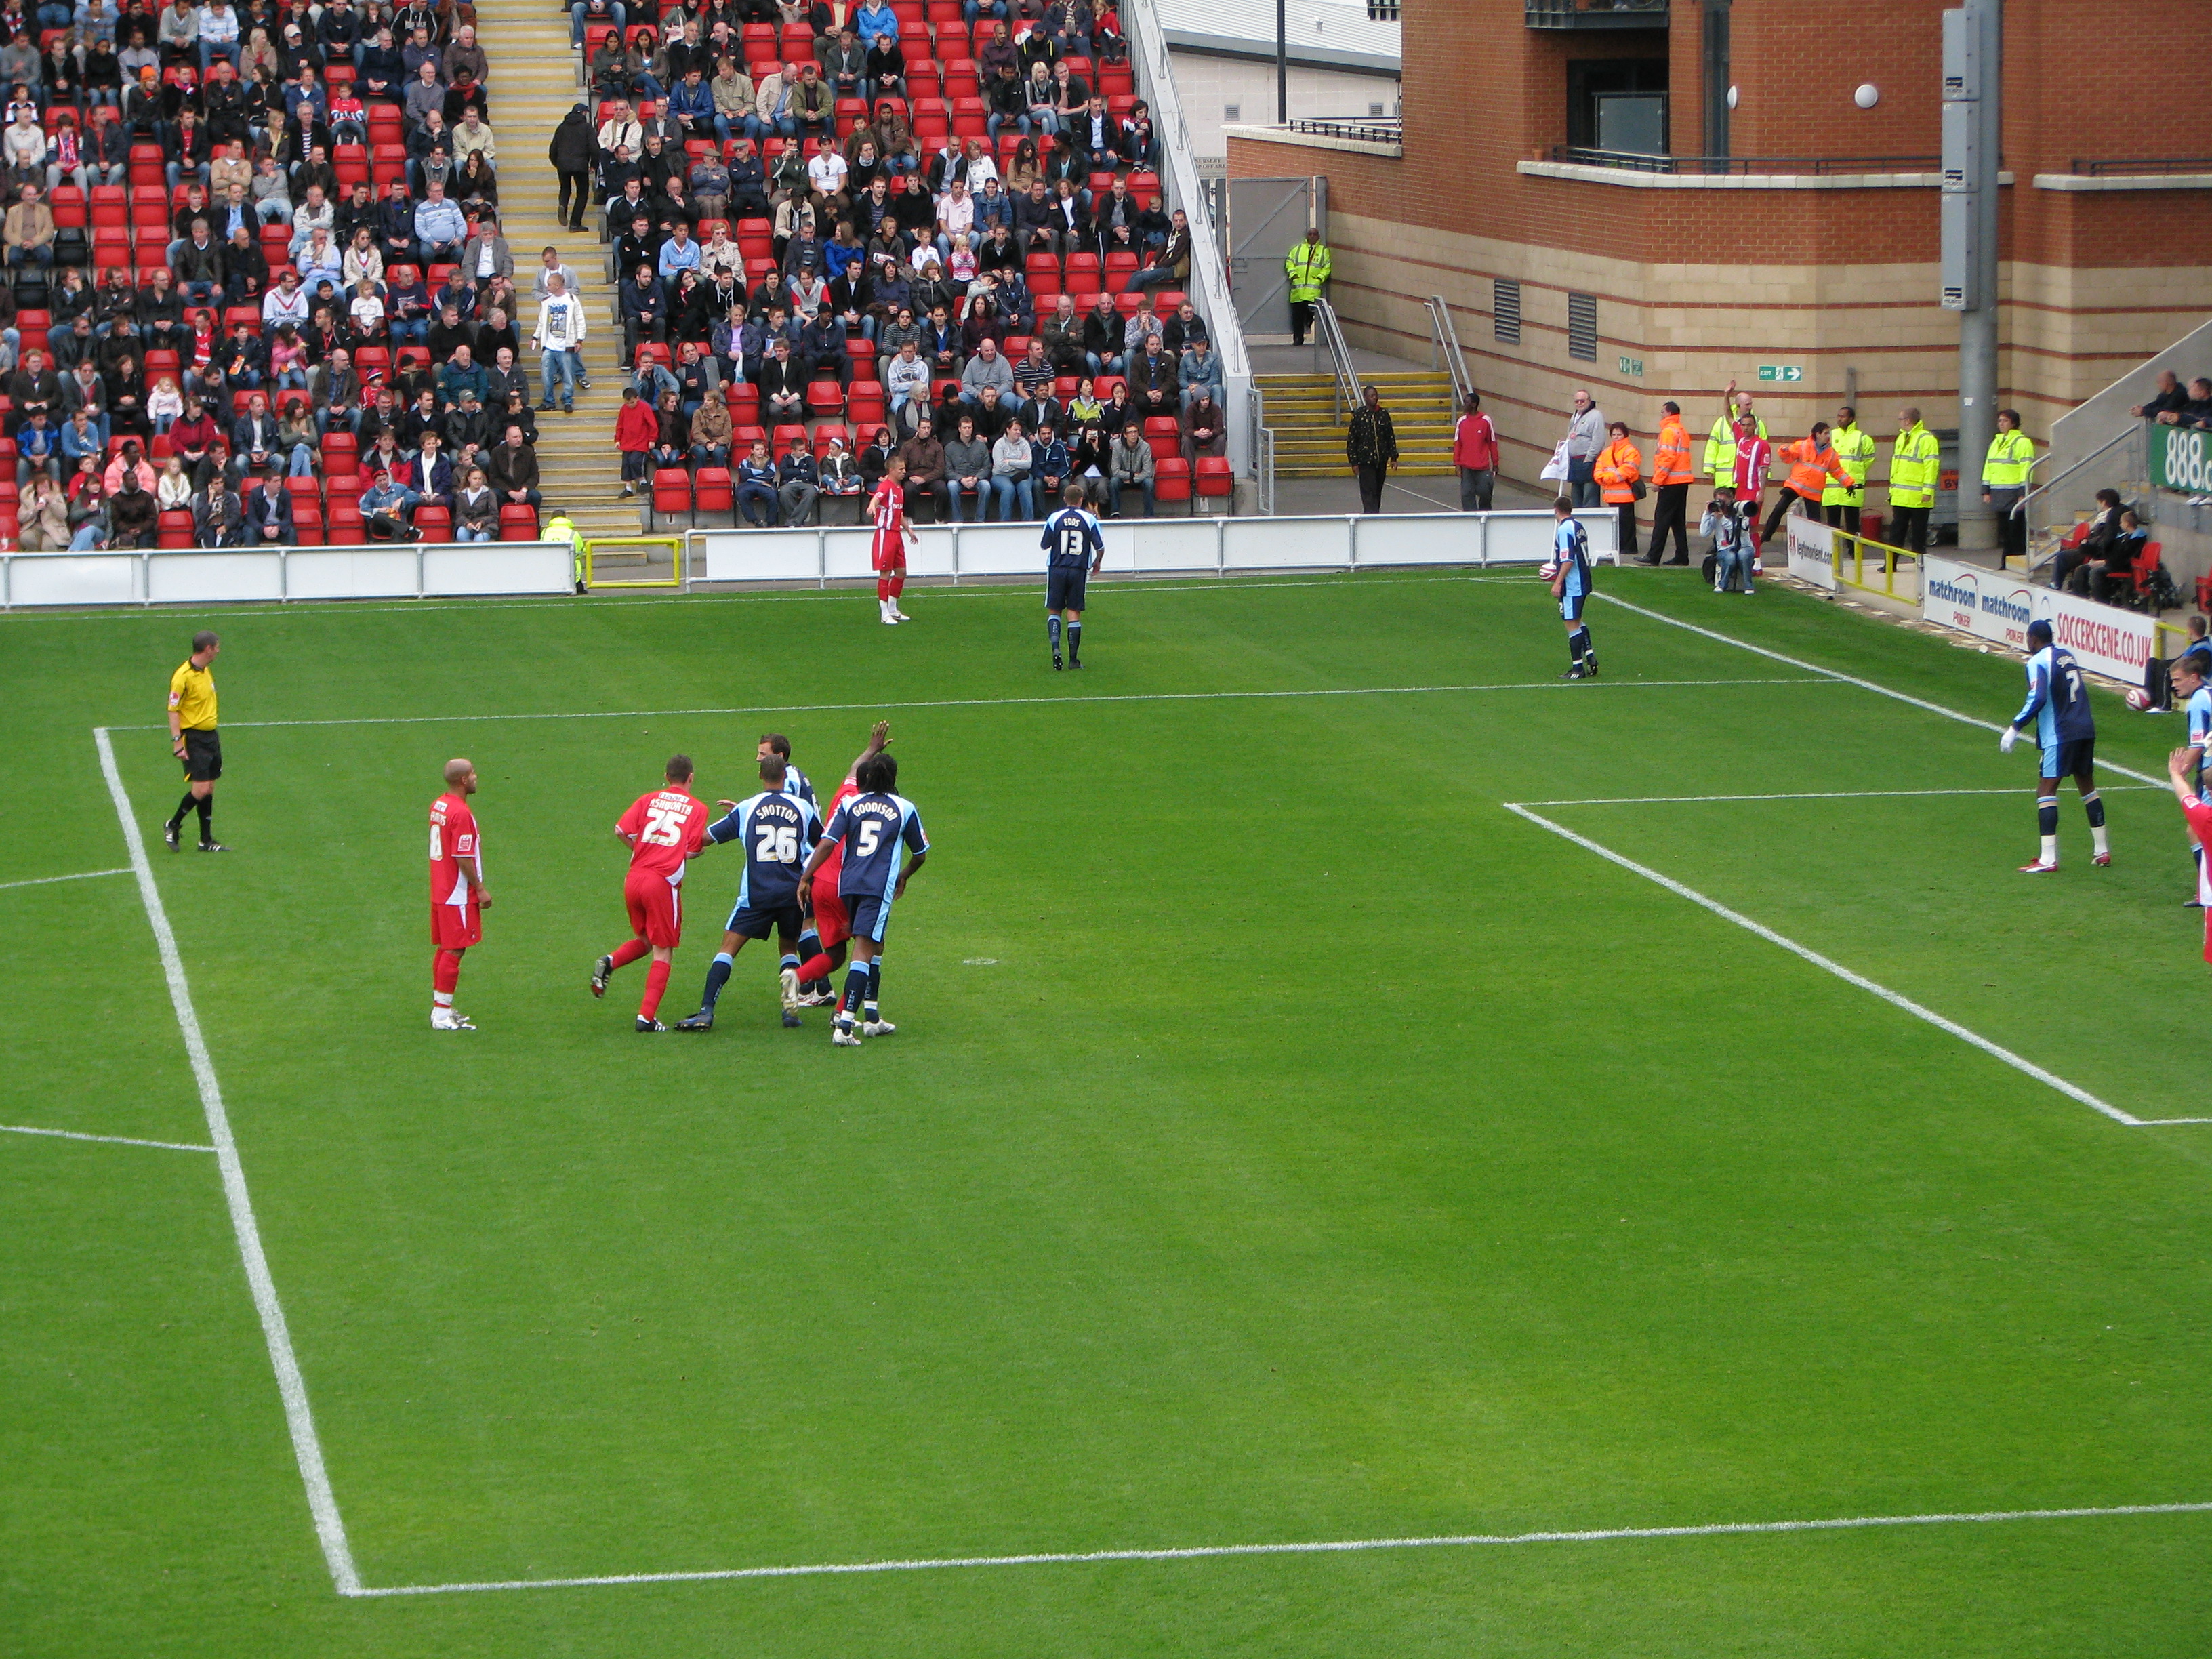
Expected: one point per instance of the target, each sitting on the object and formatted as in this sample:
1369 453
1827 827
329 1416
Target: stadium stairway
533 83
1310 433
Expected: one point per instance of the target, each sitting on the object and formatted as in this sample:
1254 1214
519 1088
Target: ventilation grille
1505 312
1582 327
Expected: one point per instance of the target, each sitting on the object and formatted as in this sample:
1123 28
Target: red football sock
656 982
816 968
626 954
899 584
446 972
882 589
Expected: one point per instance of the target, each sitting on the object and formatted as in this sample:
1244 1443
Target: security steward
1916 457
192 739
1840 502
1307 266
2004 483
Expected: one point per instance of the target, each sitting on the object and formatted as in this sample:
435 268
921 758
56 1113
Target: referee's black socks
206 805
186 805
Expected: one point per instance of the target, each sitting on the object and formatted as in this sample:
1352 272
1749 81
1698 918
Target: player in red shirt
458 896
1754 456
2199 816
664 829
887 511
827 907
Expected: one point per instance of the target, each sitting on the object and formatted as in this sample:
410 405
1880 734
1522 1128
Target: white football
1547 570
2138 699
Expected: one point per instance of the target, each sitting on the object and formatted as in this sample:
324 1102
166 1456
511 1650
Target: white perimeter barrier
1154 546
384 570
1993 604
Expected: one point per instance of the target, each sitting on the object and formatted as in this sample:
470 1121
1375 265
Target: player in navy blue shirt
876 829
795 783
777 830
2058 703
1075 547
1571 586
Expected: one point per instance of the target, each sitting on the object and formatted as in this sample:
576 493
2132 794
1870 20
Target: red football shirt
835 864
665 828
2200 823
887 507
452 838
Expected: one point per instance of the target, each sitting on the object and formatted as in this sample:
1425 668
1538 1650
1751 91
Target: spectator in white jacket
559 337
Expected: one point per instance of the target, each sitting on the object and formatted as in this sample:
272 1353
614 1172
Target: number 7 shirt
872 828
665 829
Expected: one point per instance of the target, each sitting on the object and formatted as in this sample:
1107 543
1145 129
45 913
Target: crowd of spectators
837 242
257 292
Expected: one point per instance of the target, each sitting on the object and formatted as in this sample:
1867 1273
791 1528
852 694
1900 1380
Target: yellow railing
1849 563
674 578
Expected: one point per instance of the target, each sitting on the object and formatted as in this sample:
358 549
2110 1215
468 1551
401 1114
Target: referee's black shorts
1063 587
202 756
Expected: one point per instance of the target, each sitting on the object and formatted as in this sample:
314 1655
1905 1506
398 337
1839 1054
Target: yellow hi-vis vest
1307 265
1914 460
558 528
2011 455
1855 449
1720 447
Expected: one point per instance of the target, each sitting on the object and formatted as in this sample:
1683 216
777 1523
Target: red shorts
456 928
835 926
889 553
656 909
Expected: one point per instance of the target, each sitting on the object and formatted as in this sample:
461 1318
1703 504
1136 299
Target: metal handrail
1443 338
2132 429
1818 165
1329 334
2098 167
1367 129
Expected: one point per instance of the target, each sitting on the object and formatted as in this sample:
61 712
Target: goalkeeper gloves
2011 736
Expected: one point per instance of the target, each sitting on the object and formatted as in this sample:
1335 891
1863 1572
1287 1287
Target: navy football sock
2093 803
1585 649
856 985
1575 647
1052 632
2046 815
718 975
875 986
1074 640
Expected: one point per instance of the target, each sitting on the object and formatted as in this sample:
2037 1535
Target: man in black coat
570 152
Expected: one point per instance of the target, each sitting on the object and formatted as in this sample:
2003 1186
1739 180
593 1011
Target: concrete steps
1310 433
533 84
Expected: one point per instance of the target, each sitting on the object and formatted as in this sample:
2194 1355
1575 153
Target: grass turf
1282 1142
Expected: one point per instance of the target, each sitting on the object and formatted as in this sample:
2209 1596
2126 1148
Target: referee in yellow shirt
192 738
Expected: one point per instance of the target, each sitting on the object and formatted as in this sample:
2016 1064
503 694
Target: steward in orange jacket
1812 464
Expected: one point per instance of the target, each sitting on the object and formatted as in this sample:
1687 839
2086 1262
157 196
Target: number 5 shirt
778 830
665 828
871 829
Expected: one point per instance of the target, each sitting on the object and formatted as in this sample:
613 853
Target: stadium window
1232 112
1582 327
1382 11
1375 109
1504 311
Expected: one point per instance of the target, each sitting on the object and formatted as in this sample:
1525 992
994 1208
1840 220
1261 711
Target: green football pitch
1384 1152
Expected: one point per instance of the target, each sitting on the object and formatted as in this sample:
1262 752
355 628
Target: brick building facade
1796 258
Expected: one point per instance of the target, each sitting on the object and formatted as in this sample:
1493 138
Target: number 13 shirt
872 828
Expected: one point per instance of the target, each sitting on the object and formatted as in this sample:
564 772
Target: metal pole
1282 64
1716 73
1977 318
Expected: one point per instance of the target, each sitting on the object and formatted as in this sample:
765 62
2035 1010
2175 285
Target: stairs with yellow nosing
1310 433
532 85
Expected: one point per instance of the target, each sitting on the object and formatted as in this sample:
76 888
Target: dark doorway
1610 97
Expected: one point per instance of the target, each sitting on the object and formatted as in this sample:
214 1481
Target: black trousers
1843 517
2012 527
1626 537
1670 512
1909 527
1301 315
1370 488
580 183
1782 511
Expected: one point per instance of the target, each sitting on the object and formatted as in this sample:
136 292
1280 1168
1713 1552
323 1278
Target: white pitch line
2018 1062
1813 794
107 1140
1878 689
1815 678
1343 1546
80 875
306 1448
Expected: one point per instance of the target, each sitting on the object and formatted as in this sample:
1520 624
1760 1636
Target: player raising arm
777 830
458 893
871 827
2058 703
827 924
1072 541
664 829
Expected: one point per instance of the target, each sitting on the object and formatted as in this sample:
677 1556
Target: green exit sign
1782 370
1633 367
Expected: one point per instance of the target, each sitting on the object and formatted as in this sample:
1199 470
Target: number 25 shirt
665 828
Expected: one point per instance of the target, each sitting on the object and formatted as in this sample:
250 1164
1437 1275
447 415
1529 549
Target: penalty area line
1805 794
106 1141
1815 678
77 875
1338 1546
1829 964
291 1387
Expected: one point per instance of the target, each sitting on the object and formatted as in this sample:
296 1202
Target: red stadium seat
175 530
517 522
781 441
1171 479
1214 479
712 493
433 523
344 524
1165 434
671 493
